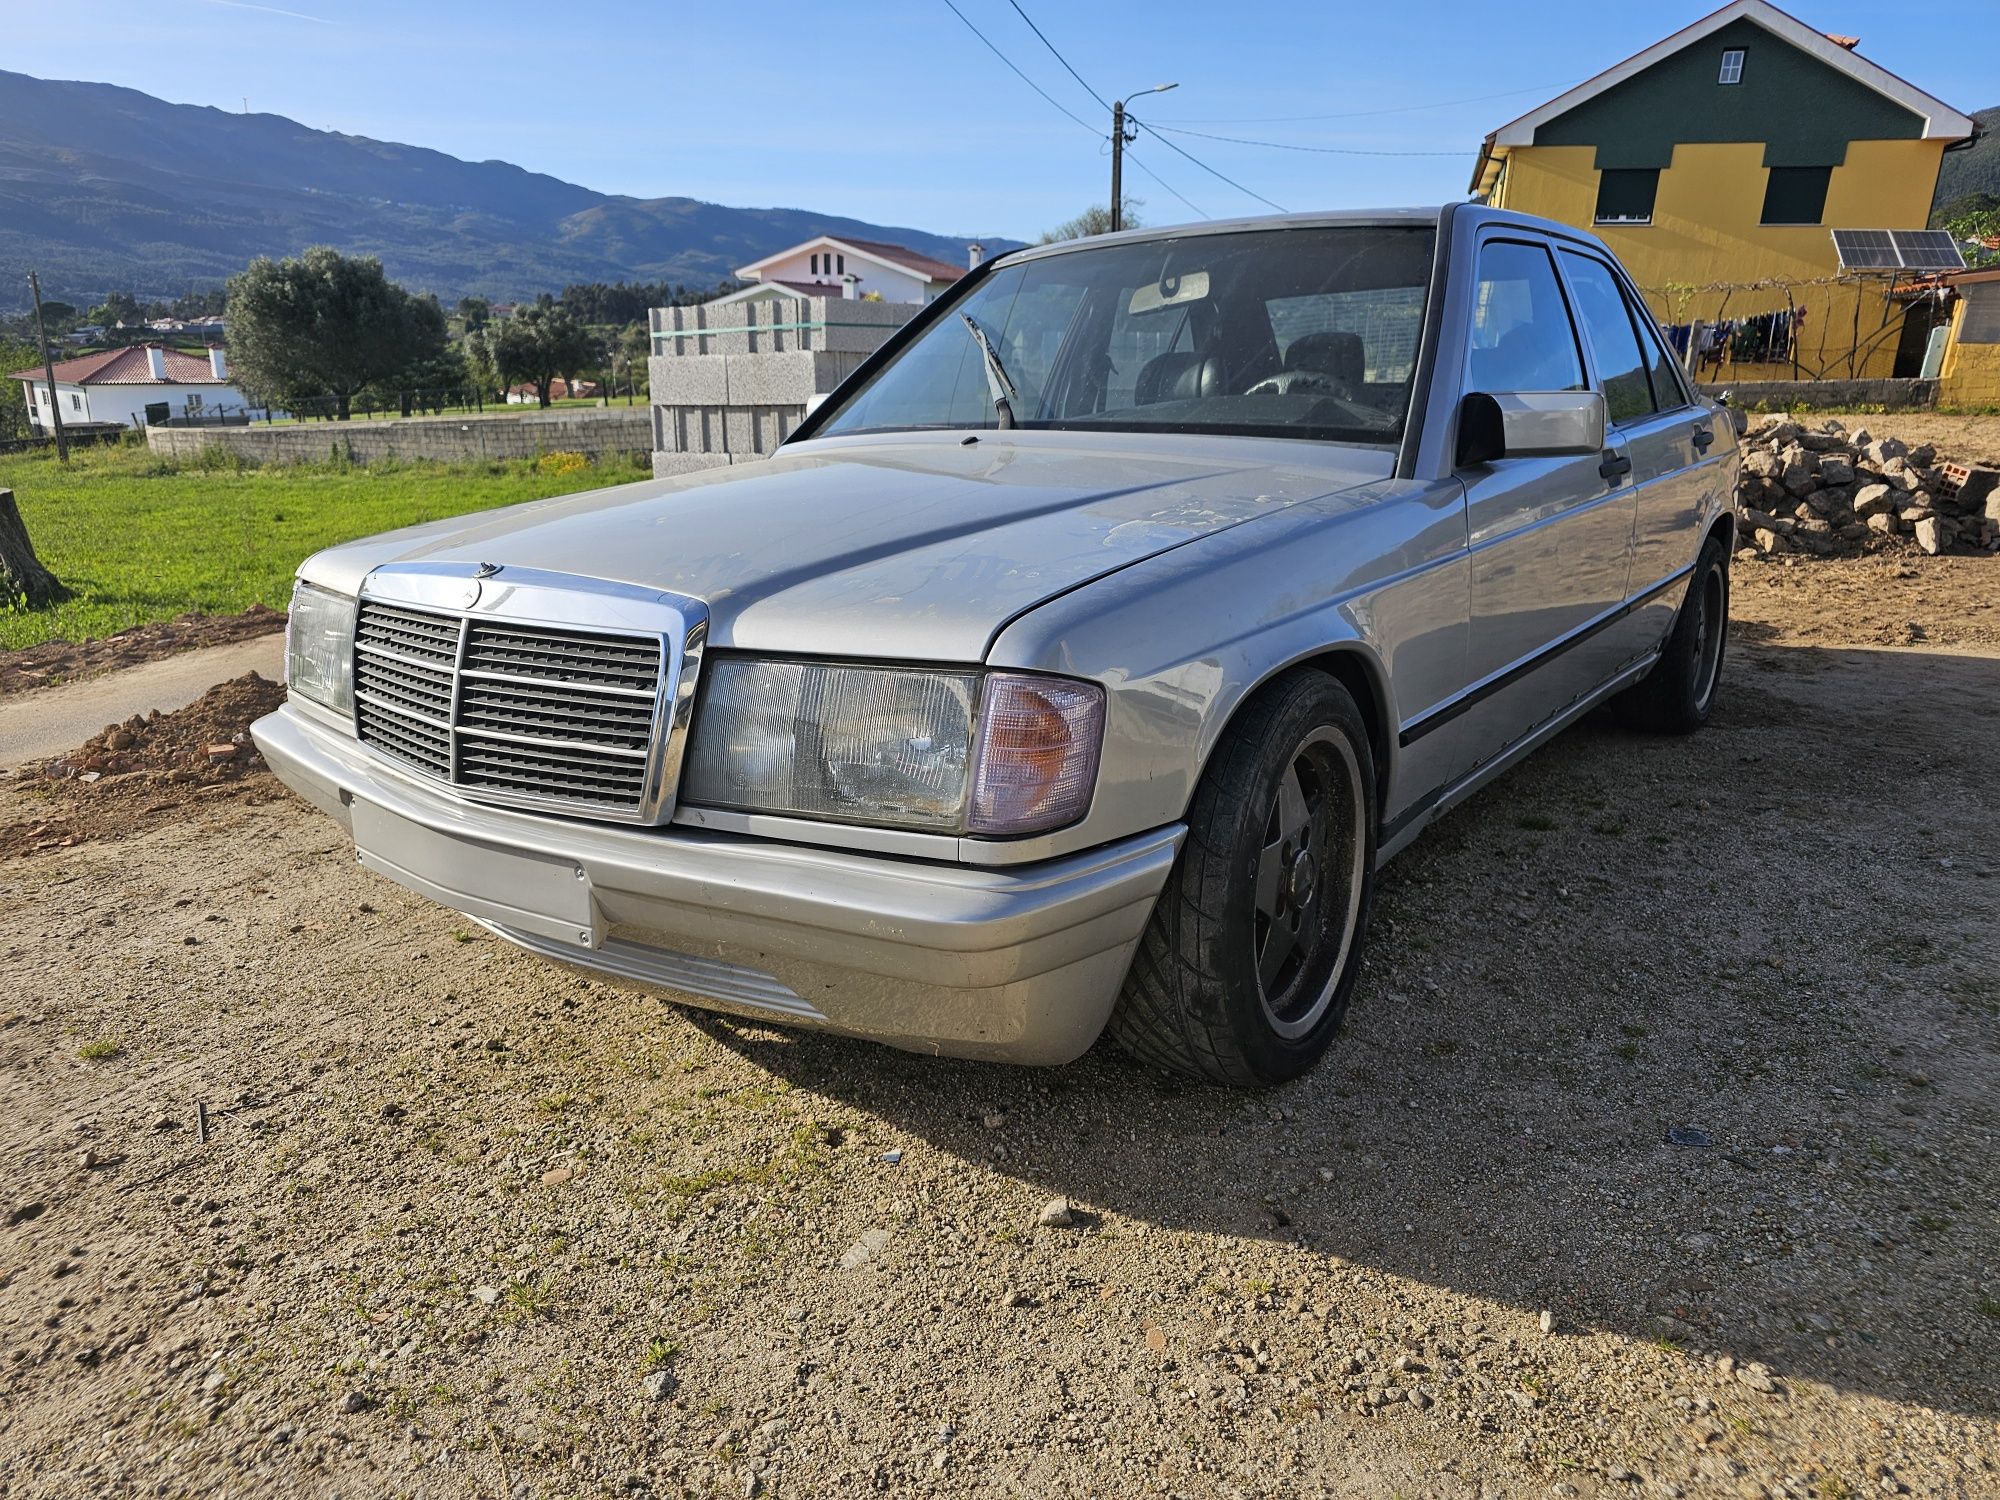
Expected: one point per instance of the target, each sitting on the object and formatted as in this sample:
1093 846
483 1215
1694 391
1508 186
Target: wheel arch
1724 528
1355 667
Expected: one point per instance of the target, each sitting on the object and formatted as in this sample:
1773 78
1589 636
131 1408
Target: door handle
1615 467
1702 438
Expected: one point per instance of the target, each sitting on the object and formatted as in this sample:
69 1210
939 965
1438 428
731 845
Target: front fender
1374 580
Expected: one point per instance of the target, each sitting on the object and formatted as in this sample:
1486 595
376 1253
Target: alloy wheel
1309 882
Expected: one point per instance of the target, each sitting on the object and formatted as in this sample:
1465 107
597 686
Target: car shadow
1775 937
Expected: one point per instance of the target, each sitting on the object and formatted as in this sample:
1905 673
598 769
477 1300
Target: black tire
1677 695
1196 998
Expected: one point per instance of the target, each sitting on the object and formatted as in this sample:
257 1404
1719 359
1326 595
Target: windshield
1308 333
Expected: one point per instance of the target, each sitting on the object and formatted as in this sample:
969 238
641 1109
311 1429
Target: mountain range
108 189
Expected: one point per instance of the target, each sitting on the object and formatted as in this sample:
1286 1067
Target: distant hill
107 189
1975 169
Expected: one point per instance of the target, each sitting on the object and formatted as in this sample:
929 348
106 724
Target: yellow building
1970 375
1717 162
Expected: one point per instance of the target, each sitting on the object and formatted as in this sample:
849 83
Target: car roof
1464 216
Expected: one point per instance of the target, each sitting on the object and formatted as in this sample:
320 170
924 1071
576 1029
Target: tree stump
23 579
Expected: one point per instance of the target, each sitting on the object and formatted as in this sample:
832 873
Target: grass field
140 539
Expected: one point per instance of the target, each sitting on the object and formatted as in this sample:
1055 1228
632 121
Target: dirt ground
1966 439
1659 1158
66 661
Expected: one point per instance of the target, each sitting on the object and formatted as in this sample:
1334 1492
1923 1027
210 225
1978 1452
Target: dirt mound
150 766
65 661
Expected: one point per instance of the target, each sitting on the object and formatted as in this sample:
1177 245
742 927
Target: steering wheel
1302 382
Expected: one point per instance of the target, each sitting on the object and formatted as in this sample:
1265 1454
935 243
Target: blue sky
892 110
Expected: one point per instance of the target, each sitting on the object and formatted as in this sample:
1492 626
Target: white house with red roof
119 384
830 266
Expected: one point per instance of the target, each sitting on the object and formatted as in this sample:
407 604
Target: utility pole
48 369
1119 141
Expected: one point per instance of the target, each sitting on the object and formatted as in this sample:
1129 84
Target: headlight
319 647
940 750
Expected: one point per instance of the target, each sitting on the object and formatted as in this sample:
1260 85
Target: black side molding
1472 697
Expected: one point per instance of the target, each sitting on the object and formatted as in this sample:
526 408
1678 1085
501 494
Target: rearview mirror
1529 424
1169 291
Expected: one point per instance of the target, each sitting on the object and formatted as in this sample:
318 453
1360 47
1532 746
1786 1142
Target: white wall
122 403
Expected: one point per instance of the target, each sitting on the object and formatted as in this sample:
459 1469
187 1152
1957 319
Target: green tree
476 351
1973 220
59 318
15 354
635 352
1095 219
435 375
540 343
119 307
323 324
473 313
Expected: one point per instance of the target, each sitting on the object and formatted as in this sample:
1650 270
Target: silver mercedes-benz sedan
1075 666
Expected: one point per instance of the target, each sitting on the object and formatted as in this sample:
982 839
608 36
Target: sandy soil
1658 1158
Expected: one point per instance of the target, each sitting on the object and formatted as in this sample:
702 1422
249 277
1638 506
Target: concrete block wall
597 434
777 325
731 382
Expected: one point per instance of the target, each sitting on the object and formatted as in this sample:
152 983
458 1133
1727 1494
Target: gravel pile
1828 492
151 767
207 741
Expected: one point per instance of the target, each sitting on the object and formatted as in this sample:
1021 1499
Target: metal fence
195 412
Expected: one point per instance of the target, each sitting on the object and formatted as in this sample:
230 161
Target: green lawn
140 539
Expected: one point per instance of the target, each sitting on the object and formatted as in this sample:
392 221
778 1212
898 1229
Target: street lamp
1119 139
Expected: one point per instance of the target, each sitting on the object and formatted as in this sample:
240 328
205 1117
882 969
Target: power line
1206 167
1016 71
1552 89
1057 55
1085 85
1171 190
1237 140
1009 62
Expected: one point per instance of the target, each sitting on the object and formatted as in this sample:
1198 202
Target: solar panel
1928 250
1897 250
1866 250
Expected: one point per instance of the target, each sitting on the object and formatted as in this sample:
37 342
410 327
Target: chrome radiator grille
512 712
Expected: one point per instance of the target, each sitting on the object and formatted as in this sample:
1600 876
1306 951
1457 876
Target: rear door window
1614 342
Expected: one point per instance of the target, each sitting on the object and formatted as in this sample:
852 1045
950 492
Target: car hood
920 547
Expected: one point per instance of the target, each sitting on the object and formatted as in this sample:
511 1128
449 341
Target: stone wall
596 433
1827 395
731 381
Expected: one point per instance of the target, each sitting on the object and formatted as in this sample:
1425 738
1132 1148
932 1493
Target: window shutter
1625 195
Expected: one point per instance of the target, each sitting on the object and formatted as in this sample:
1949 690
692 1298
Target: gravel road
1659 1158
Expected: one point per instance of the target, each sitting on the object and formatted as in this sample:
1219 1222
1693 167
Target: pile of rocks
1828 492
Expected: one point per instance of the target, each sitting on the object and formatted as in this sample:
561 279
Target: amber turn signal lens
1037 753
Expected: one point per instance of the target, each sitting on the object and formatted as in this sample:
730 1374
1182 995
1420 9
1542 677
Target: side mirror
1529 424
816 401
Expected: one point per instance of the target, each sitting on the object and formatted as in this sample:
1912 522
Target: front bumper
1021 964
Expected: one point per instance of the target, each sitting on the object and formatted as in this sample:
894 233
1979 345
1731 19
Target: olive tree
322 324
541 342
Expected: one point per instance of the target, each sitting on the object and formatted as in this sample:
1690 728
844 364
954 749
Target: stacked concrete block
731 382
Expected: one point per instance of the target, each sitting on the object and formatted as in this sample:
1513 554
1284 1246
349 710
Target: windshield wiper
997 383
